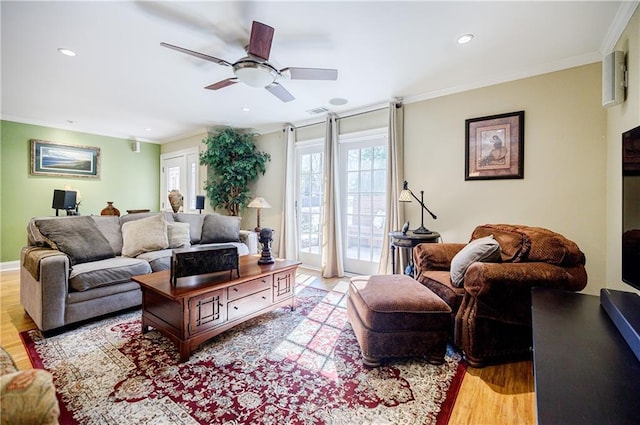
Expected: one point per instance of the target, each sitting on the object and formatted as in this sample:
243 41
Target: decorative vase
175 200
110 209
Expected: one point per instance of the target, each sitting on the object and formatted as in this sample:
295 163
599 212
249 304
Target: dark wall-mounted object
64 200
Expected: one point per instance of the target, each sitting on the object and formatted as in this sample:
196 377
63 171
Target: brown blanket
34 255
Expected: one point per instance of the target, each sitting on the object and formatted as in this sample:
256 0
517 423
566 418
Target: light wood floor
492 395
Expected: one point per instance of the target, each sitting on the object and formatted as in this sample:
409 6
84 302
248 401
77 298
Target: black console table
585 373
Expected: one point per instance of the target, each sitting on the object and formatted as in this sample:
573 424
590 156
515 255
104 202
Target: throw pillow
484 249
220 228
144 235
195 224
178 234
78 237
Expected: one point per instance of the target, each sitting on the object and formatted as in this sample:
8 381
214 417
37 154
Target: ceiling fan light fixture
255 74
465 38
67 52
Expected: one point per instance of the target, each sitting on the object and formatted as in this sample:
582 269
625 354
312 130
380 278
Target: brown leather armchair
492 309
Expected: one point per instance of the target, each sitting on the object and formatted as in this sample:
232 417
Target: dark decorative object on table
110 209
65 200
405 227
202 260
200 203
266 237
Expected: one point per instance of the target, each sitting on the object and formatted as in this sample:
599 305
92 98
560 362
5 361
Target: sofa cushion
144 235
485 249
220 228
139 216
158 260
78 237
179 235
109 226
195 224
243 249
106 272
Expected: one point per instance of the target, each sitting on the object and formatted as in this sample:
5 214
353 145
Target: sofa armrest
435 256
44 299
503 290
250 239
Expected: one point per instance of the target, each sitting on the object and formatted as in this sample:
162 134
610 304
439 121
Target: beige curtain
288 246
395 178
332 261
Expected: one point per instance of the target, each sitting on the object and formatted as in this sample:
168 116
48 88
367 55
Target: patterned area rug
300 367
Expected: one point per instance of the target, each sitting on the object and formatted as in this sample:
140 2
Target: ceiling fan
255 69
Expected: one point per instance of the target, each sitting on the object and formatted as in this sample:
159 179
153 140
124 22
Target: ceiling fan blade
280 92
196 54
310 73
260 40
222 84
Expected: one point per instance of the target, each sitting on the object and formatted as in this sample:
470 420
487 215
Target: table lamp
405 196
258 203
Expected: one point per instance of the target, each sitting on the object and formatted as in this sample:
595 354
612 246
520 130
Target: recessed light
245 109
337 101
465 38
66 52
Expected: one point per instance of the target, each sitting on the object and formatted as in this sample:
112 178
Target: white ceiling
122 82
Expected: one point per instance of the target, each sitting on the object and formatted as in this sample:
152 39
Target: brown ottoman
396 316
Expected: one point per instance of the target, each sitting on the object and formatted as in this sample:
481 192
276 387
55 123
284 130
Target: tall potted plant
233 163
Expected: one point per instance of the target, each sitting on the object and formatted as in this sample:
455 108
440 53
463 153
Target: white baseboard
10 265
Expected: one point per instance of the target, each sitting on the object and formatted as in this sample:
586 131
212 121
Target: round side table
408 241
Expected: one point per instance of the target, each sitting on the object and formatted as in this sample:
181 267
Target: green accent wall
131 180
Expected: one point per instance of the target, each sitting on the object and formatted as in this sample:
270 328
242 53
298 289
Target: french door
309 196
180 171
363 159
363 162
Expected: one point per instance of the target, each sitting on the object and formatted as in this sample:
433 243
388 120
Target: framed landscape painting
494 147
56 159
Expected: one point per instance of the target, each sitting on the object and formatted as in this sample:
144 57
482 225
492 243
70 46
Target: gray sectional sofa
80 267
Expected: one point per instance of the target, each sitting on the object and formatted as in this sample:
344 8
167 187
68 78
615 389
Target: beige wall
621 118
564 161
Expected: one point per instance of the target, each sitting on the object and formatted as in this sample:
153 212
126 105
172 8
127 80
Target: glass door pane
364 171
309 205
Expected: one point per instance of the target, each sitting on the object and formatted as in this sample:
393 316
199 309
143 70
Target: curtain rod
346 116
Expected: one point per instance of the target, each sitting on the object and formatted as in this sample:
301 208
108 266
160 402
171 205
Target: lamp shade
405 196
259 203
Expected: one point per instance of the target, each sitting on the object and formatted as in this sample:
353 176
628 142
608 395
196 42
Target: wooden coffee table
201 307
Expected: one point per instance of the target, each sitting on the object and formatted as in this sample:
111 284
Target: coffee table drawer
248 288
247 305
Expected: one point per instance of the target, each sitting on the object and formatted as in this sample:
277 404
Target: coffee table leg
185 351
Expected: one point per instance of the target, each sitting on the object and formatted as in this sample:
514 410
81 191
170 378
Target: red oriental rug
300 367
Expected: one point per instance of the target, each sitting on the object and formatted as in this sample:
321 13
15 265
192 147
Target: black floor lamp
405 196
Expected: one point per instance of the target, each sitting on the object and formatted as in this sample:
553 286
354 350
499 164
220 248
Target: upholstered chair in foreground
487 283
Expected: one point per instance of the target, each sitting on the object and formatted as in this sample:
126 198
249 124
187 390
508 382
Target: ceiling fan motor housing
255 73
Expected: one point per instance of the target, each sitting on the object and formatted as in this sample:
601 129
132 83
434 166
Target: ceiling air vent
318 110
